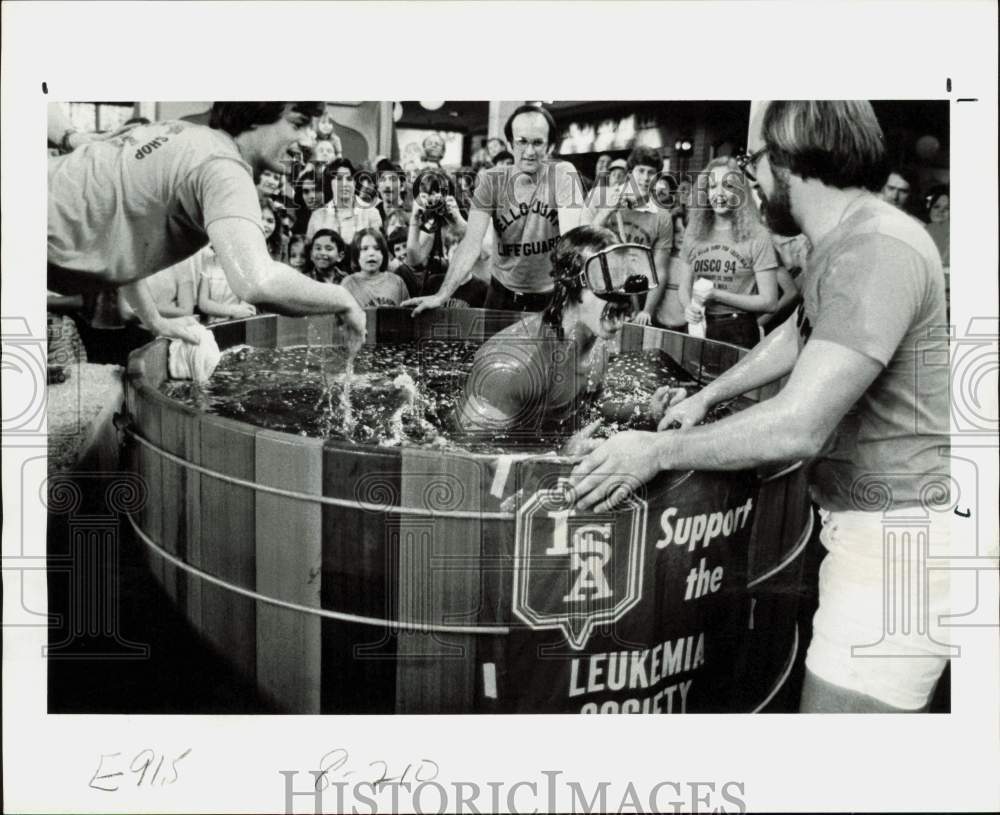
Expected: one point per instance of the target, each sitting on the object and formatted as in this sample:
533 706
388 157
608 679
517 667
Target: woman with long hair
726 243
272 230
307 199
343 211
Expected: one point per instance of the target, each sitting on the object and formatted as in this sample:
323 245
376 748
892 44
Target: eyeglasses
537 144
748 162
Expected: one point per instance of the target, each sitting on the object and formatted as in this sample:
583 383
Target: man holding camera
530 205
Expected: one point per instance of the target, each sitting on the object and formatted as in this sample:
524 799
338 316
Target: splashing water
391 395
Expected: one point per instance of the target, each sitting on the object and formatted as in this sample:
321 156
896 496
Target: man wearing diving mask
535 376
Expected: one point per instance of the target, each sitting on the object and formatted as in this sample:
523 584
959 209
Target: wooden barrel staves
340 578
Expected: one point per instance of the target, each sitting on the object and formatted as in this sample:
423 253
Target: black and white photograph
366 436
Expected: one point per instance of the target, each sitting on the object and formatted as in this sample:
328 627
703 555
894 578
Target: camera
437 185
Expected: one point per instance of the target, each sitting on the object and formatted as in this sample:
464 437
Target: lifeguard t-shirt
525 215
730 265
141 199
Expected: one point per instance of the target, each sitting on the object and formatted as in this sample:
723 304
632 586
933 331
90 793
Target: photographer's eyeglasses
748 162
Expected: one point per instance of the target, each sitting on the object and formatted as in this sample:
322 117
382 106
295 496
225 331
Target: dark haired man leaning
150 195
865 405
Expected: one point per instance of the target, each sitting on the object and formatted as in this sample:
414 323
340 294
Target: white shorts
877 630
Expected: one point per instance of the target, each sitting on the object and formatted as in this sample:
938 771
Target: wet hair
839 143
333 235
330 173
643 156
237 117
567 265
379 238
701 217
508 128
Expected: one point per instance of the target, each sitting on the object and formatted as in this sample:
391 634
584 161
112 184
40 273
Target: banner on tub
637 611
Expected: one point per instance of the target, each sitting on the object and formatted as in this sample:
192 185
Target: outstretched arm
767 362
254 277
466 254
828 379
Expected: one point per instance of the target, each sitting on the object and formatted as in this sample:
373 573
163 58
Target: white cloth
197 362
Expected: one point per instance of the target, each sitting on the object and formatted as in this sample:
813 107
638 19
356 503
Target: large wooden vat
350 579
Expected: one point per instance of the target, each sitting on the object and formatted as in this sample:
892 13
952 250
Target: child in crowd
325 253
297 252
272 231
372 284
323 152
397 261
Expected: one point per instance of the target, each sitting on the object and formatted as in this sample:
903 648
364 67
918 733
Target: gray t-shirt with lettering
875 285
525 214
141 199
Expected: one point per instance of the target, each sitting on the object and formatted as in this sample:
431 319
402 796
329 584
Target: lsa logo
572 572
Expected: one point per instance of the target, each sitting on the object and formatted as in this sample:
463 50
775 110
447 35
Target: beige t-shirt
731 265
141 199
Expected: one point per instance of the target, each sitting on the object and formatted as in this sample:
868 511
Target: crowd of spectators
389 234
318 214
